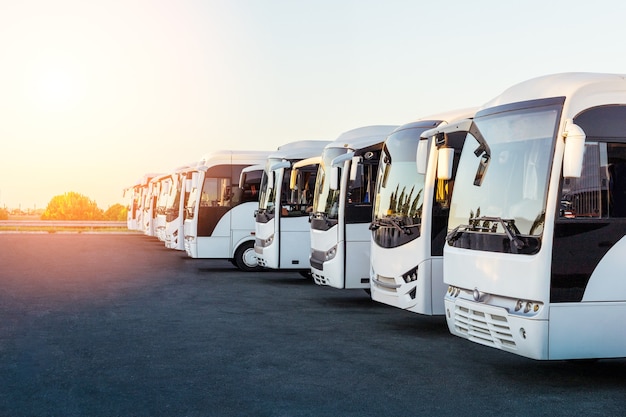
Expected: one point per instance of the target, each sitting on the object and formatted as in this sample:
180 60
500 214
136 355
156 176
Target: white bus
286 196
535 254
342 208
175 207
150 205
165 182
411 213
136 197
220 221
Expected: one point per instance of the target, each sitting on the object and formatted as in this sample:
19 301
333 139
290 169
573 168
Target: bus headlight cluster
263 243
453 291
330 253
527 306
410 276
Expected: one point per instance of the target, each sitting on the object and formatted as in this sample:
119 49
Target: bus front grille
483 327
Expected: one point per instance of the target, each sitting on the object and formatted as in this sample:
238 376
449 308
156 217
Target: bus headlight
410 276
263 243
527 307
453 292
330 253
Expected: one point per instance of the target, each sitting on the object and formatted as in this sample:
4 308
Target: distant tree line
75 206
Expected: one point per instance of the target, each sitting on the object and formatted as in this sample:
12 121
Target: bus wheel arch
245 258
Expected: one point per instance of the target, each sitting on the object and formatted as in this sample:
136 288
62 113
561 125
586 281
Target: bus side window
600 192
616 160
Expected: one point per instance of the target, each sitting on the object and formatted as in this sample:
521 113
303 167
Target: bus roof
362 137
300 150
233 157
442 118
582 89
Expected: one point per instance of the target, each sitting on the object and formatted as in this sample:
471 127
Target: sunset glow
95 94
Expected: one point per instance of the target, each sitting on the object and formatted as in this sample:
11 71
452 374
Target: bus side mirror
334 178
574 151
421 157
354 167
293 179
445 160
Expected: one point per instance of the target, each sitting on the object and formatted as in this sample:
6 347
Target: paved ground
117 325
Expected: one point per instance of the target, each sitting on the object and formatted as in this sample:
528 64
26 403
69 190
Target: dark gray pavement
117 325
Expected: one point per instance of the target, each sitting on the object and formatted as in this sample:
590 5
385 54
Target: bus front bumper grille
482 326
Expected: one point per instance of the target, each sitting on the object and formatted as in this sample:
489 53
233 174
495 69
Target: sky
95 94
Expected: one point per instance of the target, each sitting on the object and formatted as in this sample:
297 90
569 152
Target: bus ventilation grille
484 328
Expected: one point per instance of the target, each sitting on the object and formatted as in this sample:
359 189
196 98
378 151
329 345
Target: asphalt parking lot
118 325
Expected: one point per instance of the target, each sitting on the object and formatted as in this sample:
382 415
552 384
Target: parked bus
342 208
150 205
136 196
220 222
175 207
410 218
165 182
536 251
282 219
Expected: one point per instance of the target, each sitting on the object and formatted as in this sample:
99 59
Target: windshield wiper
394 223
508 225
454 234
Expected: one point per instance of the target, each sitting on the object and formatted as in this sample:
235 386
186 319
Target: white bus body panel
160 227
234 228
357 260
292 243
267 256
607 282
389 287
333 271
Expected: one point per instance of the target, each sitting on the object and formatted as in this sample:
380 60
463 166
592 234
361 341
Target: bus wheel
245 259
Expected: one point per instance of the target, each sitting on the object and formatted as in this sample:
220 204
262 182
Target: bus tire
245 259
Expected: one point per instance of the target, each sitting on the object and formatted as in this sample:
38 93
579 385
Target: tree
116 212
4 214
72 206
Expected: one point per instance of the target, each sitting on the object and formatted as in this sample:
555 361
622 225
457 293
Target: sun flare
57 88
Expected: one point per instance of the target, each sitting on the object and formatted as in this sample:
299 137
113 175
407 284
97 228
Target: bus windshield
502 178
326 201
267 193
399 191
